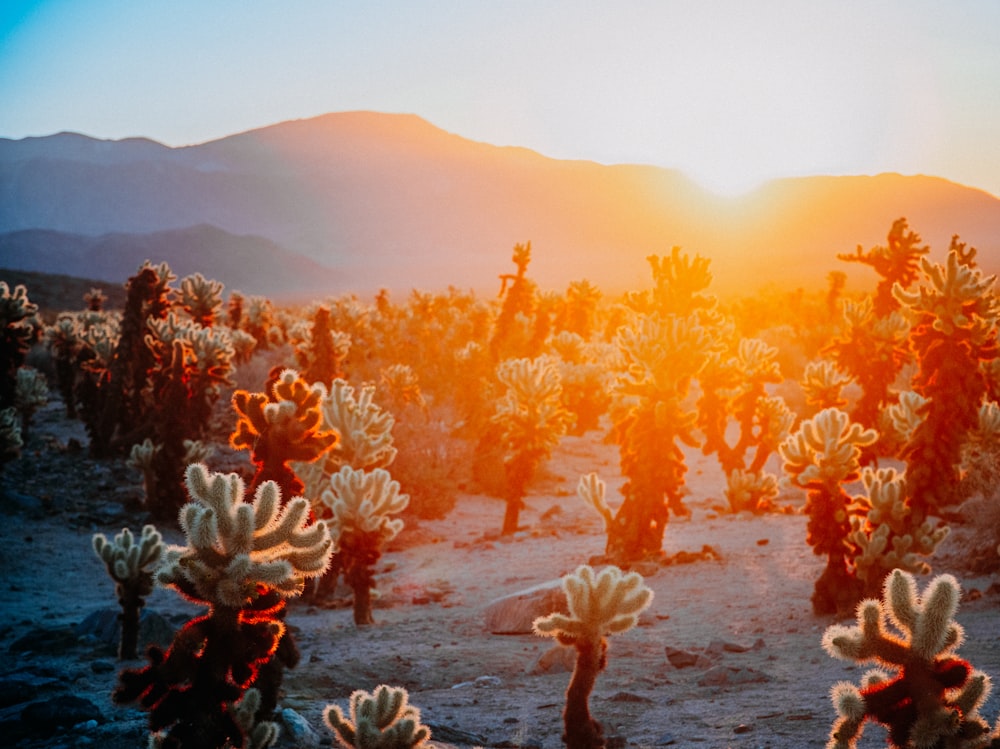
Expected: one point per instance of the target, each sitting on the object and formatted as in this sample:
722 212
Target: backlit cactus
922 692
383 719
15 337
282 426
201 298
823 384
600 604
957 313
360 504
31 393
242 560
883 531
754 491
820 457
531 421
131 563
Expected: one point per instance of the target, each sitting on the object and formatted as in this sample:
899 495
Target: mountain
377 200
251 264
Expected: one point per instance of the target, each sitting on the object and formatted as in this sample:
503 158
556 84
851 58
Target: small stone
299 730
743 728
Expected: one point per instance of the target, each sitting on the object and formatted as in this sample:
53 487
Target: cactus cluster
382 719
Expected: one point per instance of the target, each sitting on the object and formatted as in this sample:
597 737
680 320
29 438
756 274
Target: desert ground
728 654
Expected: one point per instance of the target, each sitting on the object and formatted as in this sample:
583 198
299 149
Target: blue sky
731 92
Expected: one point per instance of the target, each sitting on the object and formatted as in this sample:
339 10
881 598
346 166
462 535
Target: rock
514 614
65 711
443 734
50 641
686 659
718 647
15 691
721 676
104 626
298 730
556 660
627 697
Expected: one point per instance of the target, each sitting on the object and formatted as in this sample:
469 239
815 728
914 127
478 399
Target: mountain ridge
390 200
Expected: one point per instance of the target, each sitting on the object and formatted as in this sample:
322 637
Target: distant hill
377 200
253 265
55 292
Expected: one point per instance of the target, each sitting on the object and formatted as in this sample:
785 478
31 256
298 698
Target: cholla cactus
660 356
281 426
365 432
957 314
591 489
883 532
383 719
321 350
143 458
898 263
821 456
16 310
902 418
360 503
30 394
822 383
201 298
260 734
751 490
63 340
131 564
608 602
242 560
929 697
531 421
586 379
981 453
10 436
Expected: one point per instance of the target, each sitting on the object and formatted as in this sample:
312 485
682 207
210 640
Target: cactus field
546 518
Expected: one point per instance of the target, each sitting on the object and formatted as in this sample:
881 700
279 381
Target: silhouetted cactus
130 563
600 604
30 394
15 337
928 697
512 333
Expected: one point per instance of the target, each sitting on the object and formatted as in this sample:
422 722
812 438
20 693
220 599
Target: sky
731 92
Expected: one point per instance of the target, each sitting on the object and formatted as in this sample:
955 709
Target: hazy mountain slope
251 264
391 200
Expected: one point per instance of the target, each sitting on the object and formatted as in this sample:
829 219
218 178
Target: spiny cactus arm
825 449
127 558
850 706
383 719
591 489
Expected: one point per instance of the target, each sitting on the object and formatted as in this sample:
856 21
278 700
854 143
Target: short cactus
933 697
360 503
608 602
384 719
131 565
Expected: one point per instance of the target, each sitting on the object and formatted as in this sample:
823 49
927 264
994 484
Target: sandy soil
762 681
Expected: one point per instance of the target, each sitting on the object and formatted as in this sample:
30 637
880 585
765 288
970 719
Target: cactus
360 503
884 533
201 298
531 420
242 560
510 338
321 354
823 383
599 604
661 356
737 385
957 312
383 719
15 337
130 563
63 341
751 490
30 394
281 426
10 436
821 456
928 697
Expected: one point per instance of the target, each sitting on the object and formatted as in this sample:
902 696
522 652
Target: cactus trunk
581 730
